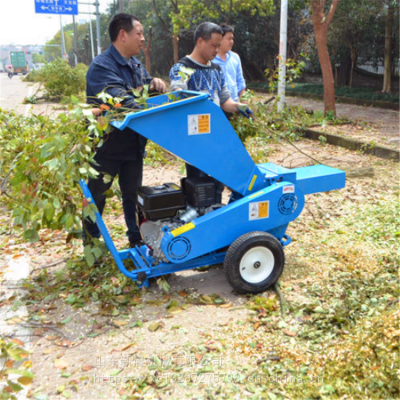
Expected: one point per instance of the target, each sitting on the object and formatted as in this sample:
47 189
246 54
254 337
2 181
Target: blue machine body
266 197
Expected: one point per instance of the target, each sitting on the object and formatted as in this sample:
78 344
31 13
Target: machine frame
265 197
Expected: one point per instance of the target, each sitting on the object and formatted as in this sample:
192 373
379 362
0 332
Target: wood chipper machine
186 226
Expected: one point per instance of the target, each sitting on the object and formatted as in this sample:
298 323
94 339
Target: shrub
60 80
33 76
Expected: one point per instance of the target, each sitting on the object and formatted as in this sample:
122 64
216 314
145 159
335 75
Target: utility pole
121 6
282 55
75 41
91 33
98 27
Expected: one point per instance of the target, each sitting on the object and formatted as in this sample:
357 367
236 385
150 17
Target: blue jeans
130 173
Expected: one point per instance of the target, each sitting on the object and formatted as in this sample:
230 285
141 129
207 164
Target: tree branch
331 12
230 11
175 5
317 12
165 26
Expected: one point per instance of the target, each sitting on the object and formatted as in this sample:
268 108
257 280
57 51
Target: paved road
12 92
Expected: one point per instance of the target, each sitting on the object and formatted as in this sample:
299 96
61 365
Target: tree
347 35
321 22
38 58
389 22
52 49
365 29
171 32
153 29
186 14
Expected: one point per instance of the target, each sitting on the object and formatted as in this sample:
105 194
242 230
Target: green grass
341 91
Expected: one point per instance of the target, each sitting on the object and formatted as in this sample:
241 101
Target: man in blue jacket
117 72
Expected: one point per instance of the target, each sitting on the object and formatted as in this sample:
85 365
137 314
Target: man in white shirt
230 63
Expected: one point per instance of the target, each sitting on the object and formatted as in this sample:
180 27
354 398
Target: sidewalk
373 124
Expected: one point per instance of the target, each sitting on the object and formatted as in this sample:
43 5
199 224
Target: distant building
376 69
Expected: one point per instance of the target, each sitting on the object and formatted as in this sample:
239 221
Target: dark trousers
130 173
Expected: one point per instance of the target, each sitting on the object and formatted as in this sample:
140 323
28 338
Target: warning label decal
288 189
258 210
199 124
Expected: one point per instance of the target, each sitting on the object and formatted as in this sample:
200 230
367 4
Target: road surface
13 91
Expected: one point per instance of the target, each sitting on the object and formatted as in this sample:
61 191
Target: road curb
352 144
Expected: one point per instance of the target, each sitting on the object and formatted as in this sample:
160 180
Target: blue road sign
68 7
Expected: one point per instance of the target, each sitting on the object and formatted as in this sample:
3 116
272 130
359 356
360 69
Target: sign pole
63 49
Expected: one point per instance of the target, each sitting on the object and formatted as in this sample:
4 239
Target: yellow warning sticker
204 123
183 229
252 183
263 209
199 124
258 210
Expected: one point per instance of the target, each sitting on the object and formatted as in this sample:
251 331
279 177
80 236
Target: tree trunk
147 52
175 43
387 77
353 64
343 76
327 73
321 24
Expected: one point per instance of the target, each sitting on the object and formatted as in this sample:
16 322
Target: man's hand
158 85
245 110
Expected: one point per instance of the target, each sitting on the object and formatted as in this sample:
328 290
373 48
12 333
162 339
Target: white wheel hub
257 264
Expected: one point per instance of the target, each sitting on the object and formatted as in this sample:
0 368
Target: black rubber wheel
254 262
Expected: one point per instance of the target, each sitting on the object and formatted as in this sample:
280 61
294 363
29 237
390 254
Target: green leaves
191 12
12 356
52 164
21 372
62 80
89 257
14 353
45 158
